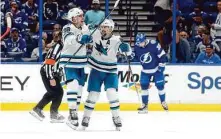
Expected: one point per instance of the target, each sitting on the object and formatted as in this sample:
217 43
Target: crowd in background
22 42
196 27
197 30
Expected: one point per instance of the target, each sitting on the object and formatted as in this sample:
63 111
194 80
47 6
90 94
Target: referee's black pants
54 93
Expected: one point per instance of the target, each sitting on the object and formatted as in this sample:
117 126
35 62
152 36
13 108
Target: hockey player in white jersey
74 35
103 61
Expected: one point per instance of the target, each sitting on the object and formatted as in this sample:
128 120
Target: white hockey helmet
74 12
108 23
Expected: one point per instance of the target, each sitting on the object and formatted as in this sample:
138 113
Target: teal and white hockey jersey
70 37
104 54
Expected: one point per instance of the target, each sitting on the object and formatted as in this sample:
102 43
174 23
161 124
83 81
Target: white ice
154 125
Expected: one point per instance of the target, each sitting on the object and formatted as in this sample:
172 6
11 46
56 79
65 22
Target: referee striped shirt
51 60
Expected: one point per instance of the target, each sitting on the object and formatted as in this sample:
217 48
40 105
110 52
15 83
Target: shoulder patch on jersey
153 41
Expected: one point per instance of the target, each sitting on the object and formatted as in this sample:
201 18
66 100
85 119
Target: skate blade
165 109
143 112
56 121
83 128
36 116
71 125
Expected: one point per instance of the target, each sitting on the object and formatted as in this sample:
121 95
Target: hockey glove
85 39
124 47
161 67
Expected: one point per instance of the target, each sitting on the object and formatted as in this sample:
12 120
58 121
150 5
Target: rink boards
188 88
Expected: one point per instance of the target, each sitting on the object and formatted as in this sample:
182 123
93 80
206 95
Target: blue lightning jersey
30 11
150 56
19 20
3 25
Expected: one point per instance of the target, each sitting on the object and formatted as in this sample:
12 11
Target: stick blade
116 3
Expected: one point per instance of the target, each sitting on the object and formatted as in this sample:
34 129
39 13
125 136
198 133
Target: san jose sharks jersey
150 56
104 54
70 37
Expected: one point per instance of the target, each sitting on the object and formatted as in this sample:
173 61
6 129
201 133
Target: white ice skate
85 123
73 120
117 123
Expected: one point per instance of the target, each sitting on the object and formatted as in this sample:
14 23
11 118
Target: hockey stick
131 73
65 18
130 69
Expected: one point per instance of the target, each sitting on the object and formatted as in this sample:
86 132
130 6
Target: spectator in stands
94 16
35 35
19 19
15 43
208 56
197 18
63 5
44 36
6 24
165 35
57 27
31 10
199 36
216 27
184 35
205 40
35 53
163 11
55 39
50 10
183 53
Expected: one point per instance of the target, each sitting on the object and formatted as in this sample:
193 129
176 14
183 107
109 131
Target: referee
51 79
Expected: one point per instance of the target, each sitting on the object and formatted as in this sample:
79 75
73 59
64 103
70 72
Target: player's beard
105 34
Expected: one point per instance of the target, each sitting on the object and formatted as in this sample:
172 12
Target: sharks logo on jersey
146 58
100 48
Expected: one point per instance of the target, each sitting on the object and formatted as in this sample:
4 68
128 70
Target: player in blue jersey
152 58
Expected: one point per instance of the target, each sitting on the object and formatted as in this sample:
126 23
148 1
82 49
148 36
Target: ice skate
85 122
38 114
73 120
164 105
117 123
143 109
56 117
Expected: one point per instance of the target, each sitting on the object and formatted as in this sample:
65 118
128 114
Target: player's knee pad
73 86
80 90
72 93
112 94
91 100
160 85
144 92
113 98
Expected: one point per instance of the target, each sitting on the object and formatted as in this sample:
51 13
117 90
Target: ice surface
154 125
